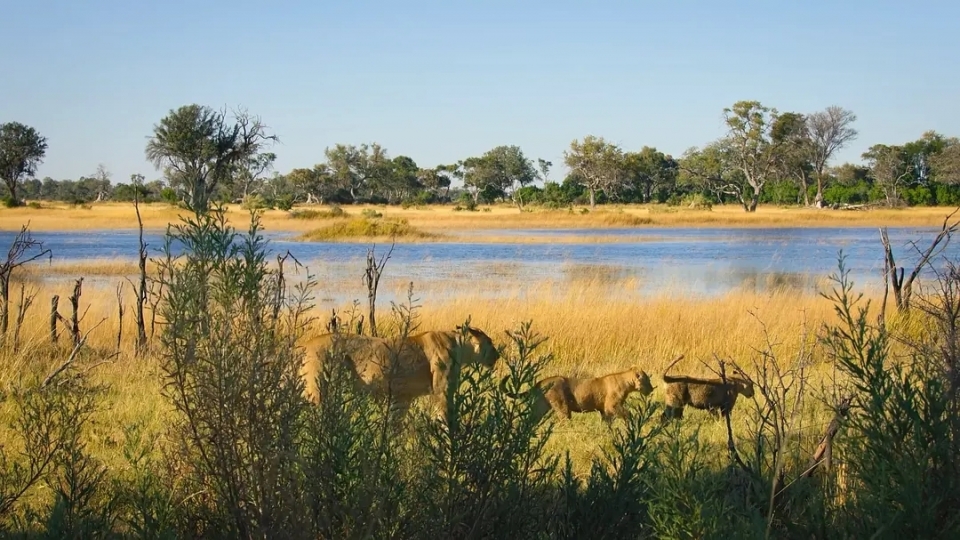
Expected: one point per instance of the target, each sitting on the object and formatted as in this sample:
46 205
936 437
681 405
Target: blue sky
441 81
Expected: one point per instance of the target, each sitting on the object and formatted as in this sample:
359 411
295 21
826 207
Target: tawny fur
404 369
713 395
606 394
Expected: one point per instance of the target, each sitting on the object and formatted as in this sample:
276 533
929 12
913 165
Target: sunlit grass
367 228
442 218
596 319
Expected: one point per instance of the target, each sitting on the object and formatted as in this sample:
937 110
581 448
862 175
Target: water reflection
686 261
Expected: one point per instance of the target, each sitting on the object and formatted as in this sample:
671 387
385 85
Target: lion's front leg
440 393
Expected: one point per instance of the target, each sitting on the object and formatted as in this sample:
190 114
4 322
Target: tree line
765 156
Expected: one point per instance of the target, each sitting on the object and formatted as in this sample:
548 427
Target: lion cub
606 394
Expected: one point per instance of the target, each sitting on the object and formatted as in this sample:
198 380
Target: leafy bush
696 201
284 202
902 456
918 196
169 195
947 194
370 213
254 202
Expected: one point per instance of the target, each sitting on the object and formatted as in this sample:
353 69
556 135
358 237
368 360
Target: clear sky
441 81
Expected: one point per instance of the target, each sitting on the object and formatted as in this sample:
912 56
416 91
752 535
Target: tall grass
437 219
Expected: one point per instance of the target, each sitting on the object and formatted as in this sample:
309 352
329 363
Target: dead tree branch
141 288
903 288
371 279
26 300
75 316
18 255
54 317
120 314
73 356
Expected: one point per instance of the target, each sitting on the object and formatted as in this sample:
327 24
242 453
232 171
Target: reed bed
594 323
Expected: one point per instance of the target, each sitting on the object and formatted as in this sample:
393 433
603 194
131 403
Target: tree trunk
818 201
593 198
12 187
803 189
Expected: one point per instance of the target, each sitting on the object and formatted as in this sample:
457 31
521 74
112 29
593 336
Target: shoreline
485 226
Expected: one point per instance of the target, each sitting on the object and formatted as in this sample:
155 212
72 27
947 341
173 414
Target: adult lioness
565 395
716 395
404 369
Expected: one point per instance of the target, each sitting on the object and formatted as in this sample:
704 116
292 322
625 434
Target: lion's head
481 349
642 382
744 384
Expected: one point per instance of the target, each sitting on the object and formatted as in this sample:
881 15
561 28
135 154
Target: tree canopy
22 149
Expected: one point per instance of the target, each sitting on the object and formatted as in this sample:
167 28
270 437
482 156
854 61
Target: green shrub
696 201
254 202
284 202
901 450
947 194
918 196
370 213
231 367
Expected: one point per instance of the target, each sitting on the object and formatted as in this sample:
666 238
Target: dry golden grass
442 219
595 324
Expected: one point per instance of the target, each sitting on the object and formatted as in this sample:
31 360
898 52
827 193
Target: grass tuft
367 228
308 213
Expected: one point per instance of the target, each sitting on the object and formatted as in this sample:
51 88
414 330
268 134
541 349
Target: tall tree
354 168
499 173
251 173
922 153
200 147
22 149
543 169
755 154
101 182
890 168
830 130
649 171
946 164
597 164
711 169
795 157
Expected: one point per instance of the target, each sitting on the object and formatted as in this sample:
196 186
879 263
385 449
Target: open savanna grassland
594 326
443 223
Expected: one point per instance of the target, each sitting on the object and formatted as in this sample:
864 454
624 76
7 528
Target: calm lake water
690 261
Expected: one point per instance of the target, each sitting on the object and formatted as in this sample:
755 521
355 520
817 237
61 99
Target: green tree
437 180
650 172
710 169
250 177
403 180
891 170
754 152
355 168
199 148
795 158
598 165
22 149
830 130
499 173
946 164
